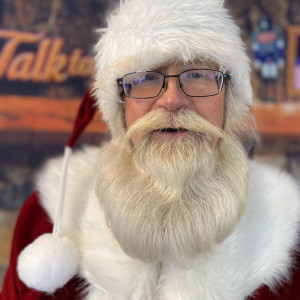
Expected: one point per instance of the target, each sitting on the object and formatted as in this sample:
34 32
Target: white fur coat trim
257 253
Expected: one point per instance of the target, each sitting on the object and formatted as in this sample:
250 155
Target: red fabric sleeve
33 222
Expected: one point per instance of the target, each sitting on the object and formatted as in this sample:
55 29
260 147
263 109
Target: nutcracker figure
269 55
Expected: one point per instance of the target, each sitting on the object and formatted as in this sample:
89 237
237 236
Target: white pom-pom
48 263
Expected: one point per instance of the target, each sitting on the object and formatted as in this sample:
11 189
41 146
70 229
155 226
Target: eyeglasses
194 83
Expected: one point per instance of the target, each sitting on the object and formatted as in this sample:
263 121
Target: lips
172 131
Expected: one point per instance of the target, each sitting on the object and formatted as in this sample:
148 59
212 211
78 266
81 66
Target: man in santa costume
170 208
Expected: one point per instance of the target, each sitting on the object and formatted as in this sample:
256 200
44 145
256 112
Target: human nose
172 97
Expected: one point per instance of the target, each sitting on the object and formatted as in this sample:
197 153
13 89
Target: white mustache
183 119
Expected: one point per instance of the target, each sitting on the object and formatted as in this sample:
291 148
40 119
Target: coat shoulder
271 185
80 174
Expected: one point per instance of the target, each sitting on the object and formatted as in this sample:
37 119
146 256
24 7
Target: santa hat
52 259
141 35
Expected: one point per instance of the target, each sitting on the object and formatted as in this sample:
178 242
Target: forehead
181 66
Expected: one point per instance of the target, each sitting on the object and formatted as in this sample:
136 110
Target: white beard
170 200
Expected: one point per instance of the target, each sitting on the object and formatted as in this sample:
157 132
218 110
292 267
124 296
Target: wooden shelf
278 120
275 121
38 114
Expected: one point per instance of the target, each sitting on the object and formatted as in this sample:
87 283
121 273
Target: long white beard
170 200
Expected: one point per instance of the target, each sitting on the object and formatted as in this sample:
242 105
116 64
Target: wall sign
44 63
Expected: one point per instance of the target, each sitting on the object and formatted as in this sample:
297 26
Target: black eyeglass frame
225 76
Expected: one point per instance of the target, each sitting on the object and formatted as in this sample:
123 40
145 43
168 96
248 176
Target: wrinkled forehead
182 66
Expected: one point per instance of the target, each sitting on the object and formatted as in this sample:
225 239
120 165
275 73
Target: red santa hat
52 259
141 35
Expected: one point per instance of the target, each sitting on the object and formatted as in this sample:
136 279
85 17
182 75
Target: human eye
149 77
196 75
202 75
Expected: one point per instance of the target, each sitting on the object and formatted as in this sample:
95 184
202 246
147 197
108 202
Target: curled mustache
183 119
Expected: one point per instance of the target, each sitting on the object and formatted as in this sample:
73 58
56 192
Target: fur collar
257 253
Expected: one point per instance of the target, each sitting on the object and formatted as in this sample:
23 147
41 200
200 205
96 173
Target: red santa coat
34 221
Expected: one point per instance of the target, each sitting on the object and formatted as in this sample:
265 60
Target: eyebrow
201 66
186 67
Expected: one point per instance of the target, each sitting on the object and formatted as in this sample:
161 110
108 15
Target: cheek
212 109
135 110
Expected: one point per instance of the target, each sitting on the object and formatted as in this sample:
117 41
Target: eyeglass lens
193 82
